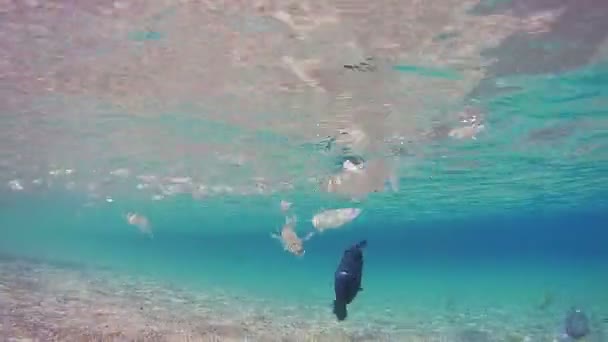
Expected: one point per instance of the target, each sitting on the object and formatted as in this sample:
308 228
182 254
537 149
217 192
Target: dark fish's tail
361 244
340 310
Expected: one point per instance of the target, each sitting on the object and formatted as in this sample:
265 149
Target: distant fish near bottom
334 218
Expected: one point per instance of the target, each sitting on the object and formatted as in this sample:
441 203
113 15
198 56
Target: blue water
413 270
498 233
508 242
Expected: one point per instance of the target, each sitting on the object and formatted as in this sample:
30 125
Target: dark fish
347 279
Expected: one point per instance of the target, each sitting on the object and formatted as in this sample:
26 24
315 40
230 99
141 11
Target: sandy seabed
51 302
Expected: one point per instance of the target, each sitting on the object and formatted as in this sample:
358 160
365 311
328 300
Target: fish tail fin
340 310
361 244
308 236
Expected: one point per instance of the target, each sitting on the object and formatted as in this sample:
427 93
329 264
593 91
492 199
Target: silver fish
334 218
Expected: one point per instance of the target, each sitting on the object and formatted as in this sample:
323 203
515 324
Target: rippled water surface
149 149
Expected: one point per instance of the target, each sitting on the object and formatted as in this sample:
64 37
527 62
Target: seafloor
60 302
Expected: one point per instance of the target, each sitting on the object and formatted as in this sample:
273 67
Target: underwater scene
331 170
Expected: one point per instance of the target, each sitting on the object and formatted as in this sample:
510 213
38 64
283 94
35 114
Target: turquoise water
484 194
493 273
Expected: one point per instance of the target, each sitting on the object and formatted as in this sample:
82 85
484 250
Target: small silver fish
335 218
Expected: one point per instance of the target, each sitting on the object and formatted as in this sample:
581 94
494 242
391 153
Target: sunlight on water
199 166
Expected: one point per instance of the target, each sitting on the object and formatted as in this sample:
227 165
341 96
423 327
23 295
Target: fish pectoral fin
360 289
308 236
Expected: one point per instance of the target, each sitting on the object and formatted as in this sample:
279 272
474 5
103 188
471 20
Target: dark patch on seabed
576 36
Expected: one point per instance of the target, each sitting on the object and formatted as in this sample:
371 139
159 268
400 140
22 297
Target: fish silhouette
347 279
289 238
